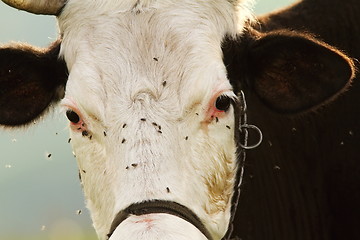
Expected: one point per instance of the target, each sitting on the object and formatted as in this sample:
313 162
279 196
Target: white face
144 79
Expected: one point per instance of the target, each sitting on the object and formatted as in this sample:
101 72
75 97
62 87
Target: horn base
43 7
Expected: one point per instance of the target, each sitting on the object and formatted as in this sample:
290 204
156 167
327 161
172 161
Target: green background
40 196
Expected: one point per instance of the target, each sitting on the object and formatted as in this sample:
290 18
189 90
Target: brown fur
30 80
303 182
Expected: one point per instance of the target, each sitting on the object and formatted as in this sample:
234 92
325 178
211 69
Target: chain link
244 128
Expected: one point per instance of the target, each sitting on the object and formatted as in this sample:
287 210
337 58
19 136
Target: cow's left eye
223 103
72 116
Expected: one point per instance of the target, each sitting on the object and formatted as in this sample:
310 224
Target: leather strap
159 206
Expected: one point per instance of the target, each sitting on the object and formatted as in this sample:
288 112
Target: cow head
151 109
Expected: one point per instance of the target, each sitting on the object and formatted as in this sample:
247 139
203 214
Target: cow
152 92
303 182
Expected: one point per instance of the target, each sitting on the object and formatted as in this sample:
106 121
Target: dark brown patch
30 80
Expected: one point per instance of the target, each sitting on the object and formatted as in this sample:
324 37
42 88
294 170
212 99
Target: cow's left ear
30 80
292 72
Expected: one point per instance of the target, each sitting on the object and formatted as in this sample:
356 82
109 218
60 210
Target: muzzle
159 206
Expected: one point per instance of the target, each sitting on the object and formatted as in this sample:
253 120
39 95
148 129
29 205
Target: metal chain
244 128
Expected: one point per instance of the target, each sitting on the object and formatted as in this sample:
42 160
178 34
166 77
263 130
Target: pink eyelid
71 105
213 112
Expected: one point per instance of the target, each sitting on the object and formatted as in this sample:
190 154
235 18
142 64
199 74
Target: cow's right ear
31 79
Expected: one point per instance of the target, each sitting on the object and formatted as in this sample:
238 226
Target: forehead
140 46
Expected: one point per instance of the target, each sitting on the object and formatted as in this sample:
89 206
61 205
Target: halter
159 206
176 209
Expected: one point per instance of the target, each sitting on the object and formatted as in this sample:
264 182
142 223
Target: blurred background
40 194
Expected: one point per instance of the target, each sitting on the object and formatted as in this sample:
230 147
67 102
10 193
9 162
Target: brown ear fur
30 80
293 72
296 72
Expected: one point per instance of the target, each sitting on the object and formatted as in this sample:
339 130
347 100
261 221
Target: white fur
120 54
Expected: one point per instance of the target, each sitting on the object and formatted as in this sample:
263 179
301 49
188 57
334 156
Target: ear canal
293 72
31 80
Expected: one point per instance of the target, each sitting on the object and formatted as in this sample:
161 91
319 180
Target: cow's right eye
72 116
223 103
